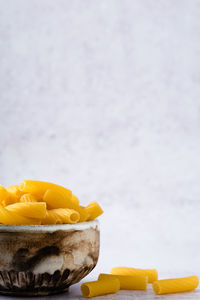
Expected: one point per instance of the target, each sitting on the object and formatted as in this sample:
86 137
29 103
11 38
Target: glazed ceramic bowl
46 259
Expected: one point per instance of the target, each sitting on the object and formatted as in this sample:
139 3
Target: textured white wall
104 97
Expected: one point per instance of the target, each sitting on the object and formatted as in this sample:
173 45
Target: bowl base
33 293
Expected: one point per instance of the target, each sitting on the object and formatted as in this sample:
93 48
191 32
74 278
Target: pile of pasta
123 278
43 203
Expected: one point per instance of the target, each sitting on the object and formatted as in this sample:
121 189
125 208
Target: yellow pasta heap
128 282
152 274
100 287
37 202
177 285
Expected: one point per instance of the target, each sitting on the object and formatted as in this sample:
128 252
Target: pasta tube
14 192
27 198
39 188
137 282
61 216
94 210
84 215
36 210
75 200
152 274
55 199
168 286
4 195
101 287
10 218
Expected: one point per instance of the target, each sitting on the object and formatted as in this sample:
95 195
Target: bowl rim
49 228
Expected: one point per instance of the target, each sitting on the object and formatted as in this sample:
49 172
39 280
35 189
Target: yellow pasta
75 200
177 285
84 215
28 198
14 192
55 199
128 282
4 195
61 216
94 210
100 287
36 210
152 274
39 188
10 218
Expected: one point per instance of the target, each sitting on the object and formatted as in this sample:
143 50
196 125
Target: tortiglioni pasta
177 285
152 274
100 287
128 282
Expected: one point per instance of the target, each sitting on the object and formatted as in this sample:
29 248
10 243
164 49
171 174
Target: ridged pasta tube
10 218
36 210
94 210
39 188
14 193
61 216
100 287
138 282
84 215
75 199
4 196
152 274
177 285
27 198
55 199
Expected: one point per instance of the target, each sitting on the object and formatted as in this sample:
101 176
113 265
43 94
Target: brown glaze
42 263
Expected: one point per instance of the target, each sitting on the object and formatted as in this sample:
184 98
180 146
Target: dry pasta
55 199
138 282
10 218
84 215
152 274
38 202
4 195
61 216
75 200
39 188
94 210
28 198
100 287
177 285
36 210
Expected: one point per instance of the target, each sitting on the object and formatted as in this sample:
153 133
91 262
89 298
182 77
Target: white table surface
75 293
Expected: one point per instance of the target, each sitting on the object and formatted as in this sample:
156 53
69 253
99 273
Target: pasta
39 188
94 210
100 287
27 198
128 282
36 210
75 199
10 218
61 216
177 285
152 274
38 202
84 215
4 195
55 199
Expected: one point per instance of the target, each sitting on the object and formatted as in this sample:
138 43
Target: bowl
46 259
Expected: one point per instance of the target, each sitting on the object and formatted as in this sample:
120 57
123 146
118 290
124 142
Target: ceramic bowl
46 259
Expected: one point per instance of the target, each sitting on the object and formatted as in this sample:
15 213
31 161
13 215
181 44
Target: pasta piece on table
137 282
152 274
100 287
177 285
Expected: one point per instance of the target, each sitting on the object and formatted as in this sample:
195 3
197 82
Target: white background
103 97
